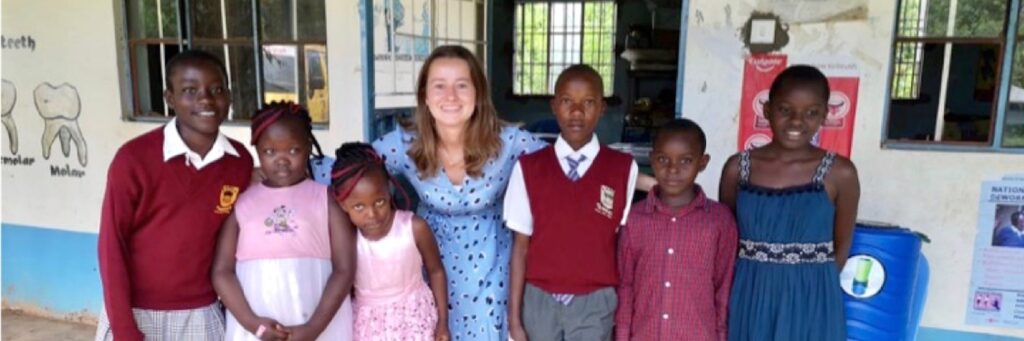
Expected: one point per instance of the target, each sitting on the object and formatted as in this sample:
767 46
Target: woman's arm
427 246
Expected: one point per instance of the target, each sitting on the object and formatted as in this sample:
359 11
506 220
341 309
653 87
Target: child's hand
517 333
269 330
441 332
302 332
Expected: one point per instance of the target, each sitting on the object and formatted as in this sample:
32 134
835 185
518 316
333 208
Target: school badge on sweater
604 206
228 195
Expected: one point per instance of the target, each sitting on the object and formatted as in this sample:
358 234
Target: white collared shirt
174 146
517 214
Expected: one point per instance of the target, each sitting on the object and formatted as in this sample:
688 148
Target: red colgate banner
758 72
836 132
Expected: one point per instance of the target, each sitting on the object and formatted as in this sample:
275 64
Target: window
948 76
291 38
550 36
406 31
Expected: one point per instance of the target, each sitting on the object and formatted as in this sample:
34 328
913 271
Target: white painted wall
933 192
77 43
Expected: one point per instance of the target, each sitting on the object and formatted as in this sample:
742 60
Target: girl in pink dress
392 301
285 258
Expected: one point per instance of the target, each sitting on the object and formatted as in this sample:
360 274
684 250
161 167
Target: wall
51 206
932 192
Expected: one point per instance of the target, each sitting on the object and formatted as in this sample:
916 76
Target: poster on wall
836 132
996 295
758 72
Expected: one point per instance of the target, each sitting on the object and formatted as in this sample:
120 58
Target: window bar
899 66
517 54
609 50
1006 76
521 51
227 51
433 25
486 33
460 18
920 26
447 22
163 52
947 56
389 16
547 63
413 52
299 54
188 18
366 42
257 50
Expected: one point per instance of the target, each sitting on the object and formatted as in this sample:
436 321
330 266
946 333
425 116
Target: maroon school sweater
158 228
572 248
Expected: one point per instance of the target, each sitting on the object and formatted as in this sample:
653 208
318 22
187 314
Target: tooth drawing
10 95
59 106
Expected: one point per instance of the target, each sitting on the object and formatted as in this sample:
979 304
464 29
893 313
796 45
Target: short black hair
800 75
580 70
681 126
194 57
1015 218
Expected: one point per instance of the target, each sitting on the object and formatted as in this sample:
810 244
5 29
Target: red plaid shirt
676 270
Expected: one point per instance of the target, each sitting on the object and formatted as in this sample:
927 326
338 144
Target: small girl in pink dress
392 301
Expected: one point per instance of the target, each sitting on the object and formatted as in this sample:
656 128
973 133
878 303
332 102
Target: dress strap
745 167
823 167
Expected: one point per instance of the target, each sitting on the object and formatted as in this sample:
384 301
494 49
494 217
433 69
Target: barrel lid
890 227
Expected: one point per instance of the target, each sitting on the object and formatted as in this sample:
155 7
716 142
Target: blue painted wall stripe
51 269
57 270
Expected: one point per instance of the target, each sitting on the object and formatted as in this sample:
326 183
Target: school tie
573 165
574 175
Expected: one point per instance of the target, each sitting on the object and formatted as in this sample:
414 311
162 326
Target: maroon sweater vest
159 226
572 249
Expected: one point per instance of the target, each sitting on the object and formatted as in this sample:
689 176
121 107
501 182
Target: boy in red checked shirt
677 251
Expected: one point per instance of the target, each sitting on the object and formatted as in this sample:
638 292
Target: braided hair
354 160
280 110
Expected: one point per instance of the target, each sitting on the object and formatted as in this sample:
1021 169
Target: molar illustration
10 95
60 106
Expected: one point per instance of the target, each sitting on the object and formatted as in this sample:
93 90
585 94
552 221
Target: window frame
611 98
1007 43
131 110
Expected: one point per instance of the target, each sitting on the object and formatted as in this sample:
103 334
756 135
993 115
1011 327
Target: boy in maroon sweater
168 192
565 204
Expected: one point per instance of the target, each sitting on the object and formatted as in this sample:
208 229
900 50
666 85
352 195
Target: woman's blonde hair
481 139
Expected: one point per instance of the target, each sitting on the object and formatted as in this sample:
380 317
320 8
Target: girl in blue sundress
795 207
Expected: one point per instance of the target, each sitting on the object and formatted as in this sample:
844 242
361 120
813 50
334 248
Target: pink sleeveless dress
393 301
284 257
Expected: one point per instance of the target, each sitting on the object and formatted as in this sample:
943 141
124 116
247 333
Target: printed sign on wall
836 132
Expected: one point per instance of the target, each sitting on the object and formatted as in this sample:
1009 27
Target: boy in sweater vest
168 192
565 204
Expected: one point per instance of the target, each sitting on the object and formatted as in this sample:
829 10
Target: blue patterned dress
786 285
467 222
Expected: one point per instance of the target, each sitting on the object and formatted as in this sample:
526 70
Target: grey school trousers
588 317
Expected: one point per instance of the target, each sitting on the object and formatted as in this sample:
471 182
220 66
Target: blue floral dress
467 221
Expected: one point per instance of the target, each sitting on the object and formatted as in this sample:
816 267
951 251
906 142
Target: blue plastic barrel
882 283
